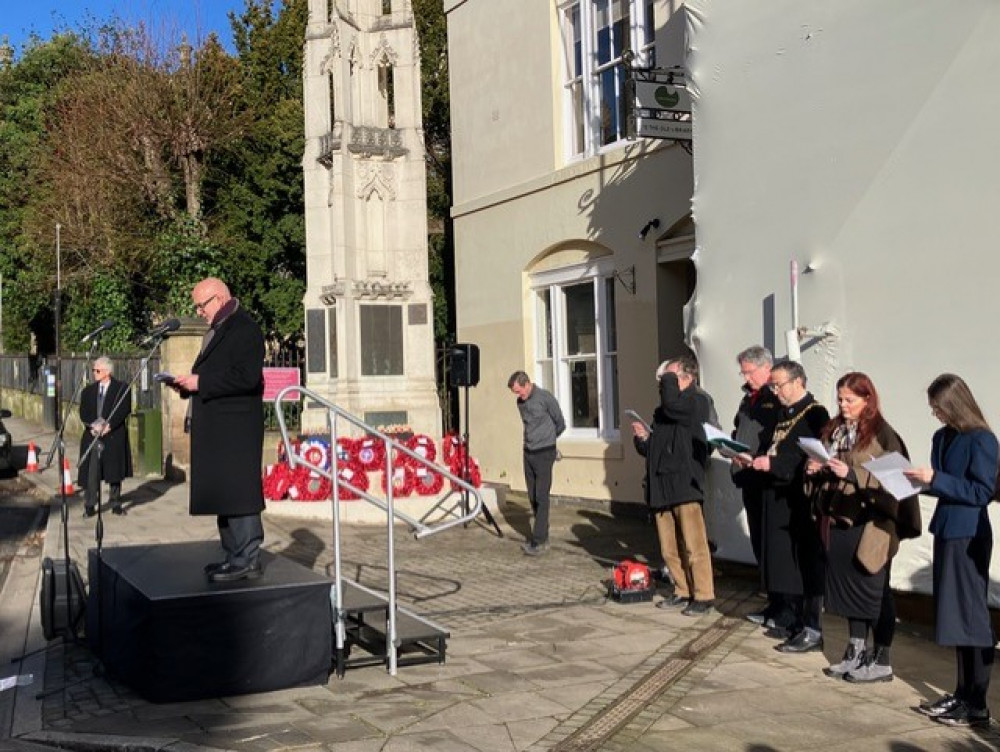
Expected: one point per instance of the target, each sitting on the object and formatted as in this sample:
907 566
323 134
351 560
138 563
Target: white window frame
552 283
588 77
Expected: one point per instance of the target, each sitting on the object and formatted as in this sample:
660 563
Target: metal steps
366 613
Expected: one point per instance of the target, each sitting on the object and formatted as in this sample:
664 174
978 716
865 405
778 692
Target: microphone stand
59 443
95 587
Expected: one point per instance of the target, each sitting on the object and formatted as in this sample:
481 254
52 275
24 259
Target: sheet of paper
720 438
634 417
727 447
888 470
814 448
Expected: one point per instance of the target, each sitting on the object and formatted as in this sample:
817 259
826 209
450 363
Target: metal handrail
334 414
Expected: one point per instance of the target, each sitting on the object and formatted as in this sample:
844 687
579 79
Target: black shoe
803 642
697 608
781 620
936 708
673 601
118 509
215 566
757 617
778 633
963 716
89 511
232 573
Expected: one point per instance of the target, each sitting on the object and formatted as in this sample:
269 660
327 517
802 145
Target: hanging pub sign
660 104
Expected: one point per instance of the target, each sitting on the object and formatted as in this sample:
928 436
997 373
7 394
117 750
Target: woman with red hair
861 518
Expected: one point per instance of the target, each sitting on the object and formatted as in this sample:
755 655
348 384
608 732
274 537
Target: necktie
100 400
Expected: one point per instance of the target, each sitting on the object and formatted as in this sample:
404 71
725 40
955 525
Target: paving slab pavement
538 659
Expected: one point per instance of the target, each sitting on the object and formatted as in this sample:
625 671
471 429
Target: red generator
631 582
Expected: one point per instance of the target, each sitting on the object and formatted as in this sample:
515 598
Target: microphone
109 324
170 325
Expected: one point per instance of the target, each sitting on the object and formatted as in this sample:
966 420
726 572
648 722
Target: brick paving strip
610 715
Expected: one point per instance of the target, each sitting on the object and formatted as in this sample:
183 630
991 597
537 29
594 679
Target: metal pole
390 631
58 326
339 614
794 272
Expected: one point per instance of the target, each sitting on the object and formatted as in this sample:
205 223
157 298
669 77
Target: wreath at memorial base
316 452
318 488
347 449
277 480
403 481
450 444
371 454
428 482
475 476
422 445
298 483
351 472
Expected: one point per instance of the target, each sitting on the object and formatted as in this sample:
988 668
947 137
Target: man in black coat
756 417
676 455
792 564
104 409
225 388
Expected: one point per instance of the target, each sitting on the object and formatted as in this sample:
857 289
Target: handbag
876 545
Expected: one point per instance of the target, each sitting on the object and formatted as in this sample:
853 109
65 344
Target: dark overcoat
965 473
227 420
116 453
792 556
676 451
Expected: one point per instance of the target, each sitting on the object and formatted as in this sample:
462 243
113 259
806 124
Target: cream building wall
523 207
856 139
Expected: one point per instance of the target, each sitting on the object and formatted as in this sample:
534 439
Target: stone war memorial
368 302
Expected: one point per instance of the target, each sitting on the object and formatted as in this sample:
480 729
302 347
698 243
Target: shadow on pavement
146 493
304 548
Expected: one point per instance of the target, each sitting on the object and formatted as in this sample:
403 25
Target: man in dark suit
225 388
104 409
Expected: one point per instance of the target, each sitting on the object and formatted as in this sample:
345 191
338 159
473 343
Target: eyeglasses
98 370
782 385
746 371
199 307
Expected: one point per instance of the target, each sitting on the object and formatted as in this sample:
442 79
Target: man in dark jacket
104 409
225 389
756 417
792 565
543 423
676 455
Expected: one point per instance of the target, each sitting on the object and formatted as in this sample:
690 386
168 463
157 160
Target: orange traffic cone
32 466
67 486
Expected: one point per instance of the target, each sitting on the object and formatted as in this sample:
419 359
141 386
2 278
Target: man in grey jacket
543 423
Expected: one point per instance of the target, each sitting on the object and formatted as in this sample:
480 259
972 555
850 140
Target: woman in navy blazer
963 475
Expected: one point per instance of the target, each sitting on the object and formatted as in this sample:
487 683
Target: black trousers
241 536
974 667
538 477
753 503
92 493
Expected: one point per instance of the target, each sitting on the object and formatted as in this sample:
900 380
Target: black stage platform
168 633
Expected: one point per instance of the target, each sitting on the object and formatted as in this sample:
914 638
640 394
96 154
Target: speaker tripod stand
466 454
